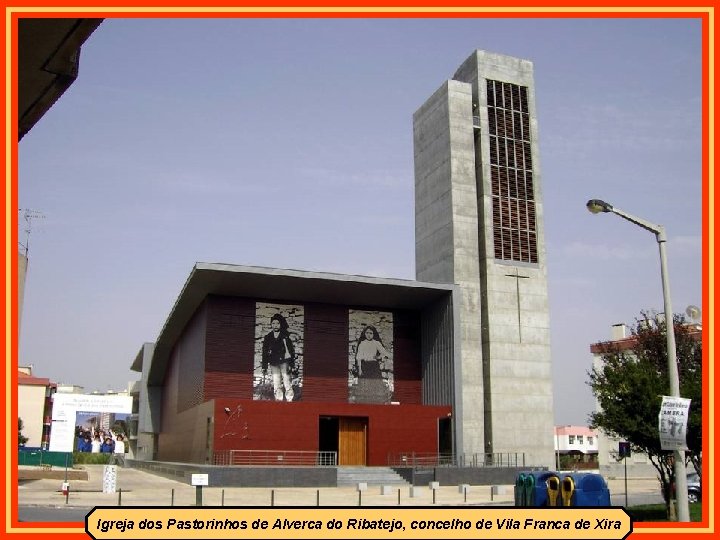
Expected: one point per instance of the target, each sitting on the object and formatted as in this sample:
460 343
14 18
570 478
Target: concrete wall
146 420
243 476
504 400
446 247
438 354
516 334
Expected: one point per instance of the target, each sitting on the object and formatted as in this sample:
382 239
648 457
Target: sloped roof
286 285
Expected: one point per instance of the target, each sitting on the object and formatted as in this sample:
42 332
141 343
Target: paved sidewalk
139 488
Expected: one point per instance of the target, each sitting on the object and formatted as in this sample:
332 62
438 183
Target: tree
629 385
21 438
120 426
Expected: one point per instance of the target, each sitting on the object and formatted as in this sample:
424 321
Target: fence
275 457
415 459
38 456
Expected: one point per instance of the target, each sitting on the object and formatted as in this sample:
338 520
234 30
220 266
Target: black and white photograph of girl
278 365
370 373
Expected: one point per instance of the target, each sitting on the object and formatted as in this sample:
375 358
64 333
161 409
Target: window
590 439
571 439
580 439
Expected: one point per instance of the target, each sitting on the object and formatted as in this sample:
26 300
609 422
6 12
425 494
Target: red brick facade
213 360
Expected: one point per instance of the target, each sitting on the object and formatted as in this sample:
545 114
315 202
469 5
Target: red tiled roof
24 378
628 343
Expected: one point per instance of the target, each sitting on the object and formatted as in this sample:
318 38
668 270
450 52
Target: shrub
89 458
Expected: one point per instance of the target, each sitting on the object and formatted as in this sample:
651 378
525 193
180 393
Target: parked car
694 489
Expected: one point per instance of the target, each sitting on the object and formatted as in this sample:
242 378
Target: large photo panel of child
278 366
370 356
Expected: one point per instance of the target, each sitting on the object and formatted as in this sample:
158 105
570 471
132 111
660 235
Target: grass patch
656 512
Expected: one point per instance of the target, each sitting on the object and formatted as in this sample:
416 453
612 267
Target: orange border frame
703 10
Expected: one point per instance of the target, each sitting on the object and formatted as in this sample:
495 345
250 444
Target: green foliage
571 461
120 427
629 386
21 438
658 512
88 458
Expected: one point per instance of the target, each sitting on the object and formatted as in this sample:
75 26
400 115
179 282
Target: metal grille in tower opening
511 173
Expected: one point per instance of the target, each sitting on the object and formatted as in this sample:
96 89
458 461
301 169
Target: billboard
65 415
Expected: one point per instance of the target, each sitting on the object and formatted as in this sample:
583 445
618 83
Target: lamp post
596 206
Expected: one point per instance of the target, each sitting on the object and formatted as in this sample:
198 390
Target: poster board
67 406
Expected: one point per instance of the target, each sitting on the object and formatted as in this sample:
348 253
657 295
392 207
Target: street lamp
596 206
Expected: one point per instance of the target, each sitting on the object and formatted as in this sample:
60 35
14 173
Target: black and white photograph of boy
278 370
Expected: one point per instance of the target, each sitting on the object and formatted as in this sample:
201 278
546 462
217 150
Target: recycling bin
591 490
531 488
520 490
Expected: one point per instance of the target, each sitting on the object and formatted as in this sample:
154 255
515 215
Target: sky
288 144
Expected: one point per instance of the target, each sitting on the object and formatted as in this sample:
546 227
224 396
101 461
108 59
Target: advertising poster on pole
672 420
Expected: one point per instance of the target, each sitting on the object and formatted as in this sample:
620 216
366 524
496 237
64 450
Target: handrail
275 458
429 459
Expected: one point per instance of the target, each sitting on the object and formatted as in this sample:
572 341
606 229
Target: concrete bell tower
479 224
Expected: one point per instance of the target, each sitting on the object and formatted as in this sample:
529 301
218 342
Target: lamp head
227 410
596 206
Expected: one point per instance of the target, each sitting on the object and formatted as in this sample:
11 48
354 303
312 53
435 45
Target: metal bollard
434 496
359 498
272 497
317 498
398 496
120 497
222 498
172 497
465 493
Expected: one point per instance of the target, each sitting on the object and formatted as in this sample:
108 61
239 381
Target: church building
306 368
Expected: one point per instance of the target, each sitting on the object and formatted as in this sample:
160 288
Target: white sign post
109 478
199 480
672 422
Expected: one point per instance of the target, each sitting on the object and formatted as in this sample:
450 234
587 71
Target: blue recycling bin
591 490
531 488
